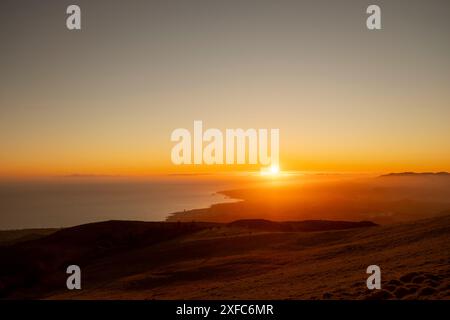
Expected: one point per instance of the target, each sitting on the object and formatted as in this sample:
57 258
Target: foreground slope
249 260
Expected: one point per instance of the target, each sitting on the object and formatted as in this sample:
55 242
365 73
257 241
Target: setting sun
270 171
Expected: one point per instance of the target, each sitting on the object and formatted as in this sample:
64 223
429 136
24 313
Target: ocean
69 201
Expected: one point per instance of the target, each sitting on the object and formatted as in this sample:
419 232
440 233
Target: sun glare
270 171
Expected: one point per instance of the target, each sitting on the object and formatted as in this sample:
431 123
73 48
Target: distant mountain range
417 174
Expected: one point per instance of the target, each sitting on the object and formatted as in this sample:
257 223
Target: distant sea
69 201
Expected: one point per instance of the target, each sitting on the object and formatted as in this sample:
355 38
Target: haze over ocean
64 202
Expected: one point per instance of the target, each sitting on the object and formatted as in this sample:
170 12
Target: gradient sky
104 100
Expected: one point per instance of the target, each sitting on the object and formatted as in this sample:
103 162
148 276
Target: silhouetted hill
9 237
299 226
32 268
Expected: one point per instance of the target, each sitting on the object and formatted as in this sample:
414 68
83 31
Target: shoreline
187 215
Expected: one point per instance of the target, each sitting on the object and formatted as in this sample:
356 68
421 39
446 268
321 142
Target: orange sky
106 99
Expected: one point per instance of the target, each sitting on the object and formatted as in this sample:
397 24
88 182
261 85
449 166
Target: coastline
62 203
212 213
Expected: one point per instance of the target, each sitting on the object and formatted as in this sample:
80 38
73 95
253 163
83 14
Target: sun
273 170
